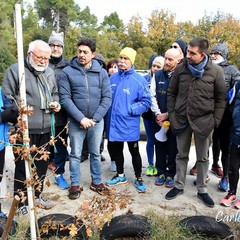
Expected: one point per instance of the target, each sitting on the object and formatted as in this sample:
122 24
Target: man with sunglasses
196 102
42 95
181 46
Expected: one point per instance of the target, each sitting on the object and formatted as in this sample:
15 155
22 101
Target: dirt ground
154 199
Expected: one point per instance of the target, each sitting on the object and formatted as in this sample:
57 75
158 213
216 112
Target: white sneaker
43 203
113 167
22 211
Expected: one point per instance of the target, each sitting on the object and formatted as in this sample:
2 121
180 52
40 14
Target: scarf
198 70
45 96
44 91
56 60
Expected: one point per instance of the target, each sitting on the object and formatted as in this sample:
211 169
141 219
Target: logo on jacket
162 91
127 91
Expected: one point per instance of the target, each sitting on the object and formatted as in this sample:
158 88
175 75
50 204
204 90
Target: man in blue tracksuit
130 98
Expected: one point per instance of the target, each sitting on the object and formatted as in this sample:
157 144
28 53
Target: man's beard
217 61
35 66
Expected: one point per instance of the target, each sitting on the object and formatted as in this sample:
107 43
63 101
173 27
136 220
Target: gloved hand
10 114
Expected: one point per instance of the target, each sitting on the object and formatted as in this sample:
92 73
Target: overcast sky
185 10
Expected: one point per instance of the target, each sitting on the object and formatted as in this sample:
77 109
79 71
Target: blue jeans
94 137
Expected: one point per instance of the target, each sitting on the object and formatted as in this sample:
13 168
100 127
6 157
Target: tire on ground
59 221
13 229
207 226
129 225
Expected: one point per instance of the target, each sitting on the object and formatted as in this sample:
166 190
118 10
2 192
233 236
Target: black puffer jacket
61 116
231 74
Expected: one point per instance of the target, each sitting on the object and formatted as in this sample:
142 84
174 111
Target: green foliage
6 59
142 58
87 23
57 13
151 35
72 37
107 45
136 34
113 23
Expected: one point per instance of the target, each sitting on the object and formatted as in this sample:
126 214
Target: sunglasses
174 46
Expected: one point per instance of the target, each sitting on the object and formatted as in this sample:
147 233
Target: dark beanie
183 45
151 60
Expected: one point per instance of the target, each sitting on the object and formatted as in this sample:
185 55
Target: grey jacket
40 121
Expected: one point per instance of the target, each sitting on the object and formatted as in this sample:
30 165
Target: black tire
207 226
129 225
13 229
63 220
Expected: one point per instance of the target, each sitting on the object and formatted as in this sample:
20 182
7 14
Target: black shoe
74 192
173 193
206 199
103 158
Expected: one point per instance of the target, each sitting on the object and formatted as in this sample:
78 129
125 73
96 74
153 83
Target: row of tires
125 226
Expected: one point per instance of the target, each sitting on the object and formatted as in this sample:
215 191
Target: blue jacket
162 82
234 99
3 126
85 93
130 98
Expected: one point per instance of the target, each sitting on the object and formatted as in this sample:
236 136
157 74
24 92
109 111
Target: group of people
190 92
186 87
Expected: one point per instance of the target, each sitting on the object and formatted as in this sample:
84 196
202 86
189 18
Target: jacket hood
222 49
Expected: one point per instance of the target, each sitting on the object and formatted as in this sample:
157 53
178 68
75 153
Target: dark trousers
166 155
41 166
221 142
2 162
234 166
61 154
116 153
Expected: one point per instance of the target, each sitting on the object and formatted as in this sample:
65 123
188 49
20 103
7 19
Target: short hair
200 42
88 42
38 44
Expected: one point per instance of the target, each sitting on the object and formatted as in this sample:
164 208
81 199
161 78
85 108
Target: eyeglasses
174 46
40 58
214 53
53 46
